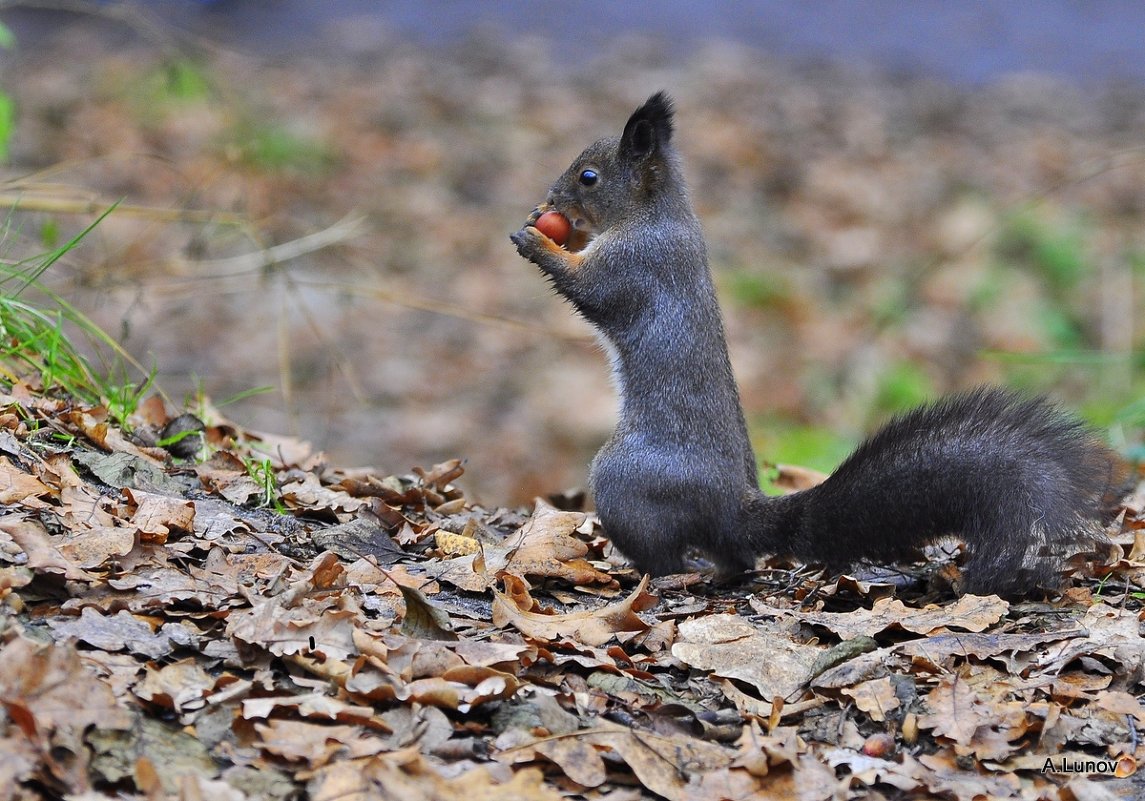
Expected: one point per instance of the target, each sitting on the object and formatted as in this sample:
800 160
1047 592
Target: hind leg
657 533
1009 555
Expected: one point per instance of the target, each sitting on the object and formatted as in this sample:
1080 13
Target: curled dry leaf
872 769
544 548
94 425
314 706
461 689
1122 703
407 776
422 619
592 627
440 475
52 698
942 775
156 516
793 478
673 767
118 632
19 486
312 627
316 744
225 474
40 549
306 492
178 686
968 613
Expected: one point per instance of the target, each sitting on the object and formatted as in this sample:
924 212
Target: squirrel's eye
588 177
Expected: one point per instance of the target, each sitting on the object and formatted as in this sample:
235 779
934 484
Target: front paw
542 251
530 242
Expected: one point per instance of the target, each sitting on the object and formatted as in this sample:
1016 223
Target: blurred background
900 199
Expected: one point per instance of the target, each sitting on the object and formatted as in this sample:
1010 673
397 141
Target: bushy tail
1019 481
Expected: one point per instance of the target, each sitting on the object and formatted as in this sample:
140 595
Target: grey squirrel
1017 480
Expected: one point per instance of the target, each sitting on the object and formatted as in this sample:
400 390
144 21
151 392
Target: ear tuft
649 128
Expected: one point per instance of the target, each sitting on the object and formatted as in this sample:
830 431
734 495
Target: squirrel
1020 482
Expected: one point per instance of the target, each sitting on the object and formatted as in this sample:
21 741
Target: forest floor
248 621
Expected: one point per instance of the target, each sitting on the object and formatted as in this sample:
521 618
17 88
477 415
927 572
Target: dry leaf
406 776
546 548
97 546
156 516
968 613
306 492
178 686
876 697
592 627
227 476
19 487
118 632
793 478
764 656
314 706
50 700
315 744
422 620
34 540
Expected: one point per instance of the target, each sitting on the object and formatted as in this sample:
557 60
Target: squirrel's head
618 177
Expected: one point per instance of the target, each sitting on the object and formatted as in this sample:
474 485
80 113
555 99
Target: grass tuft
38 341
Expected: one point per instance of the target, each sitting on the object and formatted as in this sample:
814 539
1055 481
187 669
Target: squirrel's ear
648 129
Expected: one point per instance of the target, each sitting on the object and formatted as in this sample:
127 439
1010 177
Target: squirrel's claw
528 240
543 251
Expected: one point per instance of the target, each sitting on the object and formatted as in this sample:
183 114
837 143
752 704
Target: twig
347 228
95 205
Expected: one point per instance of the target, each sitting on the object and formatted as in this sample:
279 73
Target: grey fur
1015 478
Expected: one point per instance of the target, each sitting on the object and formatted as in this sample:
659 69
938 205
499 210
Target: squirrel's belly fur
1017 480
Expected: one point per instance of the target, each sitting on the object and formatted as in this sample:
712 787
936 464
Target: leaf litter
360 635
